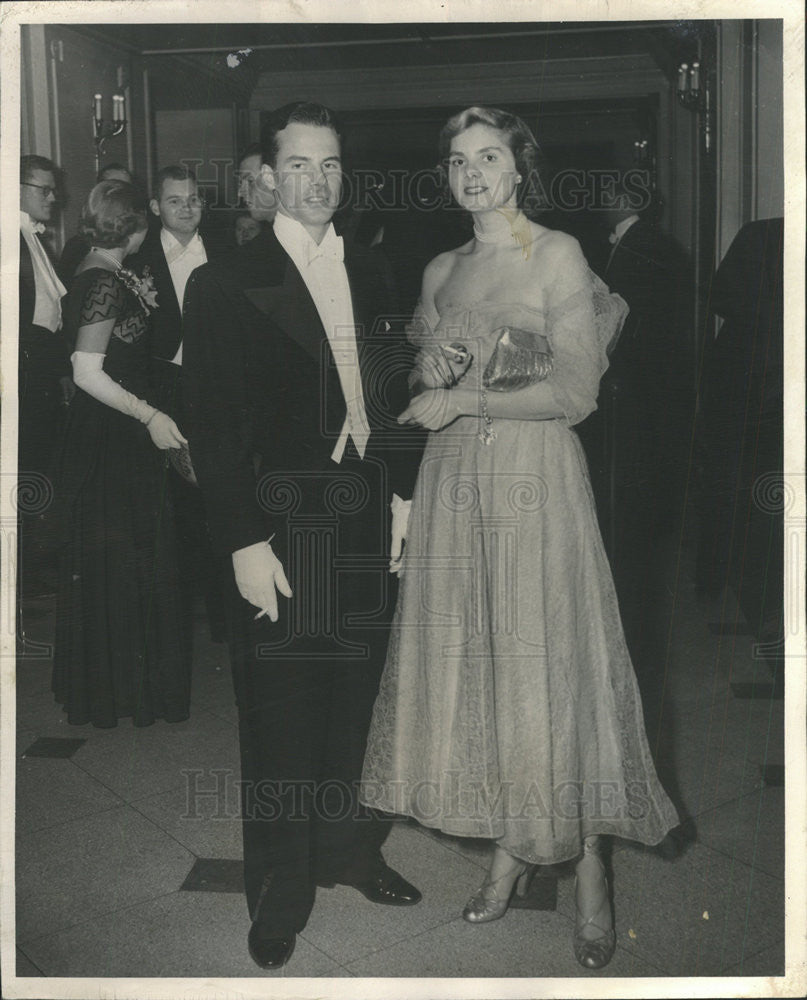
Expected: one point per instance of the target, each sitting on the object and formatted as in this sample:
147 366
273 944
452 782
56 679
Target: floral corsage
143 287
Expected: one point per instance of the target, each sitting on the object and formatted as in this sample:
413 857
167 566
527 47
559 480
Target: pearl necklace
504 237
109 256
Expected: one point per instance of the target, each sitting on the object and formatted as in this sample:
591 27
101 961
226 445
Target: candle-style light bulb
682 76
695 76
98 110
123 107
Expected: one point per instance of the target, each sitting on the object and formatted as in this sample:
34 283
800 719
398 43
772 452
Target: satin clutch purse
520 358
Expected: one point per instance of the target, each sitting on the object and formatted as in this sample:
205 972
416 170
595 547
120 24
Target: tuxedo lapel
639 242
286 299
26 265
619 249
163 280
298 315
27 285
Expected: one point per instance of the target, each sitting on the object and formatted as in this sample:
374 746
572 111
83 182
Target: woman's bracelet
153 415
487 435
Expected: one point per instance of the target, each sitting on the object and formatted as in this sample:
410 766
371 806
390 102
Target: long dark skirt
121 650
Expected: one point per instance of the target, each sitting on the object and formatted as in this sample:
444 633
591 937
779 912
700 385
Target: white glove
89 375
400 521
164 432
259 575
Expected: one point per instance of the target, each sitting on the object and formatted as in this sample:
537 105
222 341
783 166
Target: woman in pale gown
508 708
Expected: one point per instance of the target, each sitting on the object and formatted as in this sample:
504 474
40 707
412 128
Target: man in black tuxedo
257 199
44 370
289 391
740 424
172 250
655 354
44 364
646 406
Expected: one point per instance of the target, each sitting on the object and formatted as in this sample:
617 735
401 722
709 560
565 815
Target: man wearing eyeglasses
44 365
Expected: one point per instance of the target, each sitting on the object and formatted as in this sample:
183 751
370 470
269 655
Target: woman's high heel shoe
595 952
492 899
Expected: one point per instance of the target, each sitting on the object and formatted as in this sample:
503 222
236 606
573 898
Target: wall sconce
641 151
694 95
103 130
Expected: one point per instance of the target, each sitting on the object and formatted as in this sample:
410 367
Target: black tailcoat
43 360
166 320
264 408
638 439
198 568
741 428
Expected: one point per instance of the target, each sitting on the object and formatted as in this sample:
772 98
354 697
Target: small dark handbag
180 459
520 358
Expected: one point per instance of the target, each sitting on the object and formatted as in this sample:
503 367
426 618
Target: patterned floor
128 842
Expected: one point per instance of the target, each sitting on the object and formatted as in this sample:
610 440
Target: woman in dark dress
119 649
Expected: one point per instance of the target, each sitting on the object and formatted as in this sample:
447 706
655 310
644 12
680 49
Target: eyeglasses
42 187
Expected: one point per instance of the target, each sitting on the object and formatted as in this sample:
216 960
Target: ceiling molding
552 31
419 86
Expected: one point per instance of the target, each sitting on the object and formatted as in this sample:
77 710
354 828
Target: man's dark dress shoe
270 952
384 886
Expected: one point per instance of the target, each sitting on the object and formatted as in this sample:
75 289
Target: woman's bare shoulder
556 252
438 270
554 240
444 262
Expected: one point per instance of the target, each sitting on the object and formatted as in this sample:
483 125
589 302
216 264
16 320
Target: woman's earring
518 178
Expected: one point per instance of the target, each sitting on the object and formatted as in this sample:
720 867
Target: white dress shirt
181 261
49 290
323 271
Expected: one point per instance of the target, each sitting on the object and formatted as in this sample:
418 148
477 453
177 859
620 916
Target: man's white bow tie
329 249
37 227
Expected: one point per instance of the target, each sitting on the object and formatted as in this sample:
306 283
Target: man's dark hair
253 149
174 172
32 162
301 112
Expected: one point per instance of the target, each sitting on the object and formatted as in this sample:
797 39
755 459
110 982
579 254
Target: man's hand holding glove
259 575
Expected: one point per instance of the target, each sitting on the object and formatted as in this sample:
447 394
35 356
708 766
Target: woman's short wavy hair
531 196
113 211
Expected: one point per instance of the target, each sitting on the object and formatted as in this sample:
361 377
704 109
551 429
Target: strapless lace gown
508 708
